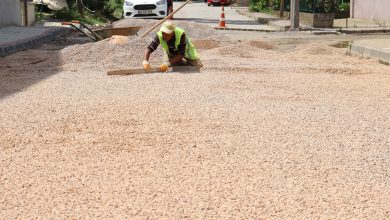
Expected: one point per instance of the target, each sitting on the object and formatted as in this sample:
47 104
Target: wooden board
126 72
133 71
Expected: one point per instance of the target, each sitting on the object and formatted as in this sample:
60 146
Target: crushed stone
256 134
104 55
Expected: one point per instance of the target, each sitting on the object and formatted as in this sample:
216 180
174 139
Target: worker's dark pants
184 62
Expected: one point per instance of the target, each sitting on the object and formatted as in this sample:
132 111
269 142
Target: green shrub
344 6
325 6
72 14
264 5
114 8
104 10
320 6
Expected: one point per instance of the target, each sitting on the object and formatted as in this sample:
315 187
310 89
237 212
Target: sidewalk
373 48
14 39
201 13
348 26
269 20
361 26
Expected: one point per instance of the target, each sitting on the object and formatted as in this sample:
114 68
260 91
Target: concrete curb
245 29
47 36
364 31
369 52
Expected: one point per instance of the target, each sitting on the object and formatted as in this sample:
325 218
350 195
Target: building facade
370 9
10 12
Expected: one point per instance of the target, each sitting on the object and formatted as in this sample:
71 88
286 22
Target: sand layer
256 134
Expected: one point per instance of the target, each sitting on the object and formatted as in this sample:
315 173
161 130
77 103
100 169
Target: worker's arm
147 54
151 48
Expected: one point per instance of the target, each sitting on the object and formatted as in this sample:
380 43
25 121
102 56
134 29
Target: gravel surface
258 133
103 55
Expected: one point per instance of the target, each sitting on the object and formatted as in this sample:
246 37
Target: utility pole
294 14
281 9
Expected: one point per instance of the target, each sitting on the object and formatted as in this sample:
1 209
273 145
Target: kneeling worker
178 47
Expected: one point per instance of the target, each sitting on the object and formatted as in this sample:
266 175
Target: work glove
164 67
146 65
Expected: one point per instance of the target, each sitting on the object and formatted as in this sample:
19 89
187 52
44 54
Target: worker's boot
196 63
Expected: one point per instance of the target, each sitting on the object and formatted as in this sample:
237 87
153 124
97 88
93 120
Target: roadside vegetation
320 6
86 11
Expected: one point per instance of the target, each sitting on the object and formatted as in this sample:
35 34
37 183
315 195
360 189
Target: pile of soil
239 50
261 45
317 49
205 44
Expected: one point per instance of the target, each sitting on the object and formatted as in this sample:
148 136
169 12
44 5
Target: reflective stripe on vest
190 51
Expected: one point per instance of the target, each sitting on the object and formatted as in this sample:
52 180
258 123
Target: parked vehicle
218 2
146 8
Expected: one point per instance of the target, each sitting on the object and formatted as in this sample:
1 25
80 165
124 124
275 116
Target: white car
145 8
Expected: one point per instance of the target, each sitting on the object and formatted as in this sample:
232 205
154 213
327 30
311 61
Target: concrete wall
371 9
316 20
30 14
10 13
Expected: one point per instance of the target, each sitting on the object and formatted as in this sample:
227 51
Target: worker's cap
168 27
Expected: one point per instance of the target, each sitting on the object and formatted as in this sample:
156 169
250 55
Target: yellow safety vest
190 51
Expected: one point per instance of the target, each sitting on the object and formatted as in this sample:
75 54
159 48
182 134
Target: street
210 15
275 126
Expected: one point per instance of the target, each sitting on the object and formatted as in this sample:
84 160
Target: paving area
260 132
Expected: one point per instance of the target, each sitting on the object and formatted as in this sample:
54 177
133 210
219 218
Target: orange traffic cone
222 19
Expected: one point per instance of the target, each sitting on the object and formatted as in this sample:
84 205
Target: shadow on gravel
185 69
23 69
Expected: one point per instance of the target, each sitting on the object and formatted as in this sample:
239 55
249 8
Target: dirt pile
316 49
246 49
261 45
205 44
103 55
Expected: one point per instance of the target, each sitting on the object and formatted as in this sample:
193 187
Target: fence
315 6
